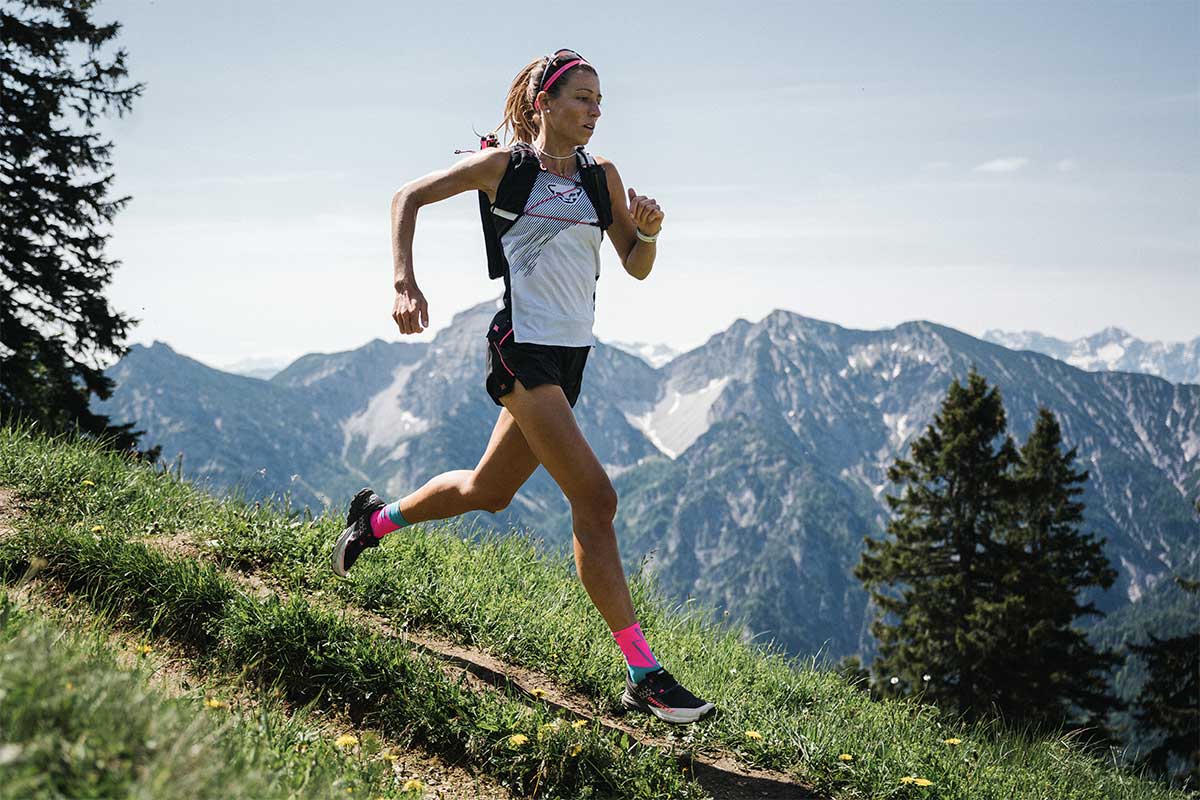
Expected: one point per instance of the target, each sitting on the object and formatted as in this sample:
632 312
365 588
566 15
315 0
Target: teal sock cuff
393 513
637 673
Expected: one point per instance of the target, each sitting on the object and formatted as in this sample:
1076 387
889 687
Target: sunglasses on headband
551 61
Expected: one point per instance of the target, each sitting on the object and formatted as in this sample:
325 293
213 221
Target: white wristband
643 236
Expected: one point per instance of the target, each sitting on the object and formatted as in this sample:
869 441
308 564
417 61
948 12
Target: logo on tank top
569 193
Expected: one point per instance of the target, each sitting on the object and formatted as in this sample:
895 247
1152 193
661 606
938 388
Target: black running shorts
533 364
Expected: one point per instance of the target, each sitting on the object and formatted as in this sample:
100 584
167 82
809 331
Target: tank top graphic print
553 253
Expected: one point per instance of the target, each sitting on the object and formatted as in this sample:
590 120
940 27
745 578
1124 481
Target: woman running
538 342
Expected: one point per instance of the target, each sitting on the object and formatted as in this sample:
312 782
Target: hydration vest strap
515 187
491 242
595 183
511 194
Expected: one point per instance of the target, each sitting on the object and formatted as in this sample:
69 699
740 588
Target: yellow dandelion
143 649
922 782
845 757
579 723
412 785
86 482
755 735
907 779
953 740
214 703
345 740
576 750
518 739
70 686
97 528
538 693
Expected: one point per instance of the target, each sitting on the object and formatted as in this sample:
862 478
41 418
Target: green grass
75 724
501 594
314 655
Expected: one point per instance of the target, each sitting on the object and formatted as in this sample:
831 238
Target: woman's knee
488 498
597 504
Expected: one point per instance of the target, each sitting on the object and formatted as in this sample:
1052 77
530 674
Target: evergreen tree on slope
941 560
1049 674
1169 704
988 565
55 324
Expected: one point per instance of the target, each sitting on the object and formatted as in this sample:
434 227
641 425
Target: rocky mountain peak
1110 334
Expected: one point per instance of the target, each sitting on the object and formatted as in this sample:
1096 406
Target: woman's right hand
410 310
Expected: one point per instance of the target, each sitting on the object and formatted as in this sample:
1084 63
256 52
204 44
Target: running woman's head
558 95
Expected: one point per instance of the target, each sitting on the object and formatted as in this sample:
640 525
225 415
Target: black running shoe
661 695
357 536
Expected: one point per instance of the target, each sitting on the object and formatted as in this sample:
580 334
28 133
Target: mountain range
749 469
1112 349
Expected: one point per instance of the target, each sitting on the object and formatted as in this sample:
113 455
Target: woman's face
574 112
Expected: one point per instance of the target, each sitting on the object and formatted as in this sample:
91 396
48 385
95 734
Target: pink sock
387 519
636 649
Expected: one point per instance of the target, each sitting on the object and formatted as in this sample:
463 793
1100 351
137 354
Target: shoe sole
339 552
676 716
356 510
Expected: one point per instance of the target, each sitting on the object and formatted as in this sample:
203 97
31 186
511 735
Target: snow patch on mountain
1191 446
741 507
899 427
383 423
1134 592
679 418
1110 354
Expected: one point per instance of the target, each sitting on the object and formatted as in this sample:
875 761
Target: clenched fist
645 212
410 310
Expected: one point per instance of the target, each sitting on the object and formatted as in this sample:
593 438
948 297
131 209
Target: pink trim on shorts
497 346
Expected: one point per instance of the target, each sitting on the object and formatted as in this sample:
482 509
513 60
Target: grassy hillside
111 533
77 723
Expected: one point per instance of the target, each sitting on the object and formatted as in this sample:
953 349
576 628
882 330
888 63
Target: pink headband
560 71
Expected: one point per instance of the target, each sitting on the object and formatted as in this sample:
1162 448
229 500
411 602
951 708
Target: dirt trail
718 772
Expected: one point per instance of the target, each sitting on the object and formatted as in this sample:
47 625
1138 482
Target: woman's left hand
645 212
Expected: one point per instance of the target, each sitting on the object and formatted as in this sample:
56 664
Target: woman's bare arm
629 214
482 171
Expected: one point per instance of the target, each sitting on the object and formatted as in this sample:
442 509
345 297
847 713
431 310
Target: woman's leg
548 422
505 466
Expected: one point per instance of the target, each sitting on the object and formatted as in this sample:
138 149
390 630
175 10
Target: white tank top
553 253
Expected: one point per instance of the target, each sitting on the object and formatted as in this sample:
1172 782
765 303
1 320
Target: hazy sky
982 165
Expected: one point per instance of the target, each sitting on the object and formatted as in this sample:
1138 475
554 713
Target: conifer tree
1169 705
985 570
937 571
55 324
1048 673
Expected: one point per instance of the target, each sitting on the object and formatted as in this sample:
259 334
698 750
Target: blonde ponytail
520 117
